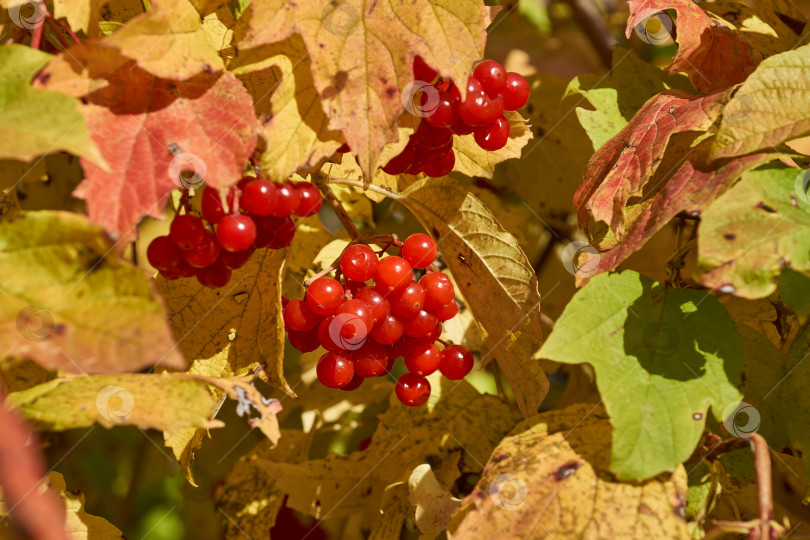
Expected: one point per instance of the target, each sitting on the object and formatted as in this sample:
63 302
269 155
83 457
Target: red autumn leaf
711 54
689 189
150 130
622 167
22 469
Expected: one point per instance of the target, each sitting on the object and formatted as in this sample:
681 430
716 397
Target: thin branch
36 36
56 29
70 32
593 25
336 205
726 445
762 465
357 183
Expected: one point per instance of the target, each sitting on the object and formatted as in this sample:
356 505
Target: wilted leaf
662 357
434 503
168 41
472 160
150 130
709 50
459 421
758 227
493 274
362 56
771 107
71 303
549 479
794 411
279 77
795 290
157 401
21 470
34 122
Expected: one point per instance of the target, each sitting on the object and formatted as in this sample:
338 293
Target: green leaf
34 122
72 303
536 12
662 357
758 227
473 160
494 276
549 479
794 408
154 401
795 290
771 107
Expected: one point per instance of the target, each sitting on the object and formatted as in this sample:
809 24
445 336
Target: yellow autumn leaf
472 160
550 479
296 132
362 56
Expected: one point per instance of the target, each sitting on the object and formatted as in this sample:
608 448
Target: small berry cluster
400 316
490 92
258 215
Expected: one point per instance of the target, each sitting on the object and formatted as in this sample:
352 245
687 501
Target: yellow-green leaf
167 401
472 160
34 122
549 479
493 274
72 303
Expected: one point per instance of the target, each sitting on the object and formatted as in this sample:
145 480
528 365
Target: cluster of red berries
491 90
258 215
365 328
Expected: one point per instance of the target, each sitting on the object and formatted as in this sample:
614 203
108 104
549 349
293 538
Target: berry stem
70 32
36 36
336 205
56 29
387 239
17 36
357 183
325 272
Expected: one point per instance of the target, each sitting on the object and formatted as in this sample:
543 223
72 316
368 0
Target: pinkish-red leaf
150 130
622 167
22 469
711 54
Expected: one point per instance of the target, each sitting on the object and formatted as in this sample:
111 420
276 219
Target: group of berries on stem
257 214
491 90
366 327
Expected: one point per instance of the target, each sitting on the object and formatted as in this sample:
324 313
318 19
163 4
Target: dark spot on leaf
481 494
566 470
729 236
762 206
697 416
44 78
208 69
95 264
391 91
500 457
58 329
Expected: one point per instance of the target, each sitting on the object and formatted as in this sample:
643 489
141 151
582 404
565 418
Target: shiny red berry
359 262
492 76
422 359
412 389
304 341
309 200
214 276
236 232
287 200
441 166
439 290
380 306
335 370
407 302
370 360
324 295
388 330
393 274
163 254
356 319
516 93
212 209
422 71
400 163
299 317
446 312
493 136
421 324
419 250
456 362
204 253
259 197
187 231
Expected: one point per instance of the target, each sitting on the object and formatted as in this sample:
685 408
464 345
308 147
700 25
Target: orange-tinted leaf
622 168
710 52
150 129
22 469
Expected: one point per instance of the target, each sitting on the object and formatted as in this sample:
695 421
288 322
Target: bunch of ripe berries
365 327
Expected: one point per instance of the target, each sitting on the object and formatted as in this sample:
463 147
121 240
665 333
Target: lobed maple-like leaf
362 55
148 129
711 53
624 166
